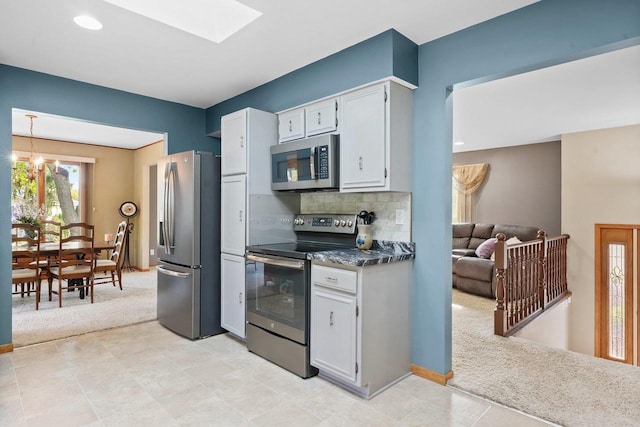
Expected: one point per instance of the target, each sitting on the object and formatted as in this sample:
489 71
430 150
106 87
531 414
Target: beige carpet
112 307
564 387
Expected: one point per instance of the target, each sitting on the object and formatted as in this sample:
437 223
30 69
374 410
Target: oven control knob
336 223
300 221
296 221
343 223
349 223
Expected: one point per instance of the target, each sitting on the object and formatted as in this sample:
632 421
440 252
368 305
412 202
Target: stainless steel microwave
307 164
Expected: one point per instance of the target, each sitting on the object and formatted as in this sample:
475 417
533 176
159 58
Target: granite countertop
381 252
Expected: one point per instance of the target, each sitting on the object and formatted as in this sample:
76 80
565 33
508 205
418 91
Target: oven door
277 295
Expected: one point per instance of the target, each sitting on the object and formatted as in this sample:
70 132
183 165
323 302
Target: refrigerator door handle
168 224
172 273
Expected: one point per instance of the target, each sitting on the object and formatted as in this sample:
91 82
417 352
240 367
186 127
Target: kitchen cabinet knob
290 126
319 119
242 142
331 318
240 298
240 217
360 162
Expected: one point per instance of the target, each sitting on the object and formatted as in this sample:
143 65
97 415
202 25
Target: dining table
51 249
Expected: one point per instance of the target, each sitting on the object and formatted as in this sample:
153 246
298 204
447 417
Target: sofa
472 263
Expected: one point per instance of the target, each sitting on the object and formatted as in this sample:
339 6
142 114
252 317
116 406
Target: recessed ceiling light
88 22
211 20
458 143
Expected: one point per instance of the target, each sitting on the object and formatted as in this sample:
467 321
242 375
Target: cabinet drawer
335 278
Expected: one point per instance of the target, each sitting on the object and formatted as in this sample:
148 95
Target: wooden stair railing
530 277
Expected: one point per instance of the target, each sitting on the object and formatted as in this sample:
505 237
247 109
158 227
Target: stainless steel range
278 281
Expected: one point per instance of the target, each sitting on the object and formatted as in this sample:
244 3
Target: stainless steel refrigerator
189 244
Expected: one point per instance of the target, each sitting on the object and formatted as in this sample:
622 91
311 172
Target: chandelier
35 165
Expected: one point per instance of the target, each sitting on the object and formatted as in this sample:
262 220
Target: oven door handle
280 262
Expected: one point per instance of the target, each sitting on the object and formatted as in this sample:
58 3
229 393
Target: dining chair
76 260
113 263
25 268
50 231
49 235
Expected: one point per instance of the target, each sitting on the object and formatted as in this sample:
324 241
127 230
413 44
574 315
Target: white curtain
466 180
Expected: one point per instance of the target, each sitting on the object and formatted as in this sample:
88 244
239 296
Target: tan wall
110 182
522 186
600 184
144 158
118 175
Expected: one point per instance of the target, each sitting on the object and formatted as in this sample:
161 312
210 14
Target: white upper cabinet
233 214
362 141
375 127
233 143
291 125
375 139
313 119
321 117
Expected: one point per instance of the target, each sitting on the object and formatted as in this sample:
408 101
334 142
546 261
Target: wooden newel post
542 272
500 314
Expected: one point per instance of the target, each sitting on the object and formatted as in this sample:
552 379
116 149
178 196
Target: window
54 193
456 208
616 293
467 179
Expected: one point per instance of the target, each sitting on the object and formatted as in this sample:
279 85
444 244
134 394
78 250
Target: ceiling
142 56
593 93
58 128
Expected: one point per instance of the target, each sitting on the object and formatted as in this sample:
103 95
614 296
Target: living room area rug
112 307
563 387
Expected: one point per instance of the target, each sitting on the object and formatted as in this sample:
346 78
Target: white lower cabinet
333 331
361 324
232 294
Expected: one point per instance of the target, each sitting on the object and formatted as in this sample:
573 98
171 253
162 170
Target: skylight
88 22
211 20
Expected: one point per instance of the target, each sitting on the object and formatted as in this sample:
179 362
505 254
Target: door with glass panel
616 295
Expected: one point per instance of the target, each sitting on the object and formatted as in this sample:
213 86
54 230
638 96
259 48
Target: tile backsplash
389 208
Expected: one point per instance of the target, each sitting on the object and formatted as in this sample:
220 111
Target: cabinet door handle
331 318
290 126
319 118
240 217
242 142
331 279
360 162
240 298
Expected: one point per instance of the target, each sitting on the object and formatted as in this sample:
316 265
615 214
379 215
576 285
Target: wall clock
128 209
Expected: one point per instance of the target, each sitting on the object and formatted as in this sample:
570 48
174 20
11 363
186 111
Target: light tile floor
144 375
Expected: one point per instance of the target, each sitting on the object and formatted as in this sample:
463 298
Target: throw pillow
486 248
513 241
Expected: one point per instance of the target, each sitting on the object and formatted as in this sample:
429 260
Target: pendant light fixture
35 165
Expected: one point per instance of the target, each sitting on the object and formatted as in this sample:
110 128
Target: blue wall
545 33
30 90
548 32
387 54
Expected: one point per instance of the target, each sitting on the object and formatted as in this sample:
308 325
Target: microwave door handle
313 163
